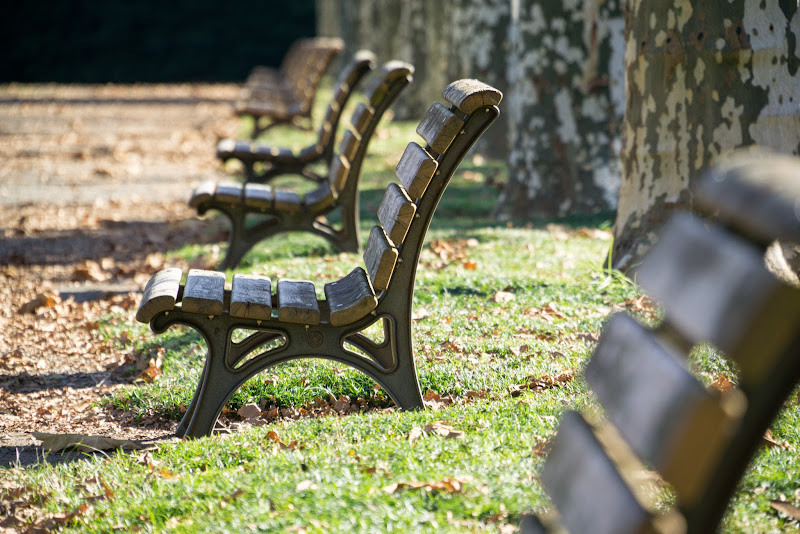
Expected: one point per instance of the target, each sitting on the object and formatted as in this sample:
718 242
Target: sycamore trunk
702 78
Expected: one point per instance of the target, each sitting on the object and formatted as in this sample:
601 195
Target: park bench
283 210
293 323
262 163
709 276
286 95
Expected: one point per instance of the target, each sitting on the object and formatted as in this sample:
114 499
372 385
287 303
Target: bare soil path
93 189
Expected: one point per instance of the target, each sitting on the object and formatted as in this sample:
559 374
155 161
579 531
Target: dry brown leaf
469 265
80 442
449 485
249 411
46 299
786 508
723 385
502 297
414 434
421 313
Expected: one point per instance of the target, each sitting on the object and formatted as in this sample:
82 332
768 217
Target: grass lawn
506 314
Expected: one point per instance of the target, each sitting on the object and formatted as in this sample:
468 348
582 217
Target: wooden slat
396 213
251 297
159 294
350 298
202 193
349 144
758 193
714 288
361 117
415 170
339 171
659 408
204 292
297 302
469 95
439 127
390 73
380 257
586 486
319 199
229 193
287 201
258 196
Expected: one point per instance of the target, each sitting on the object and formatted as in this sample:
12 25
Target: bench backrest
305 65
387 85
423 172
359 66
711 280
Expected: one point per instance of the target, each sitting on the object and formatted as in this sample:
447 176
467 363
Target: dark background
146 40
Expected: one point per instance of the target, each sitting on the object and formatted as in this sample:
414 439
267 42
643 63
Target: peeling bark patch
715 77
565 128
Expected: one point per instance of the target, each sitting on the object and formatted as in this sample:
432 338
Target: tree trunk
565 104
479 49
702 78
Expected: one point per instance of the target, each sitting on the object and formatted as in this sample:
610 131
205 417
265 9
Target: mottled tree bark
702 78
565 103
479 49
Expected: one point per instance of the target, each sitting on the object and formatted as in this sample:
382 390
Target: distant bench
284 210
294 323
711 280
286 95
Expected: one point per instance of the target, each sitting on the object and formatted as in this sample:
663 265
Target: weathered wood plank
297 302
715 288
258 196
396 213
757 193
288 201
390 72
159 295
228 192
203 193
469 95
204 292
415 170
251 297
586 486
339 171
350 298
349 144
319 199
361 117
439 127
659 408
380 257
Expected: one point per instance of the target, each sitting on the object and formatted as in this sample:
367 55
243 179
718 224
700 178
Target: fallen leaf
786 508
249 411
46 299
414 434
502 297
723 385
421 313
80 442
469 265
449 485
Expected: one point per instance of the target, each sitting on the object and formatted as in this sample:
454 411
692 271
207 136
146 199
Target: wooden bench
262 162
710 279
286 95
293 323
281 210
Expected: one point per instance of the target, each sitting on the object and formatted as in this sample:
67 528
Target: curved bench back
712 282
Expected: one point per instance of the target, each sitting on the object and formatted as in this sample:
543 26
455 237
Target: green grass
338 473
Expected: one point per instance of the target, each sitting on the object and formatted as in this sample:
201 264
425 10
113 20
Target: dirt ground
93 188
